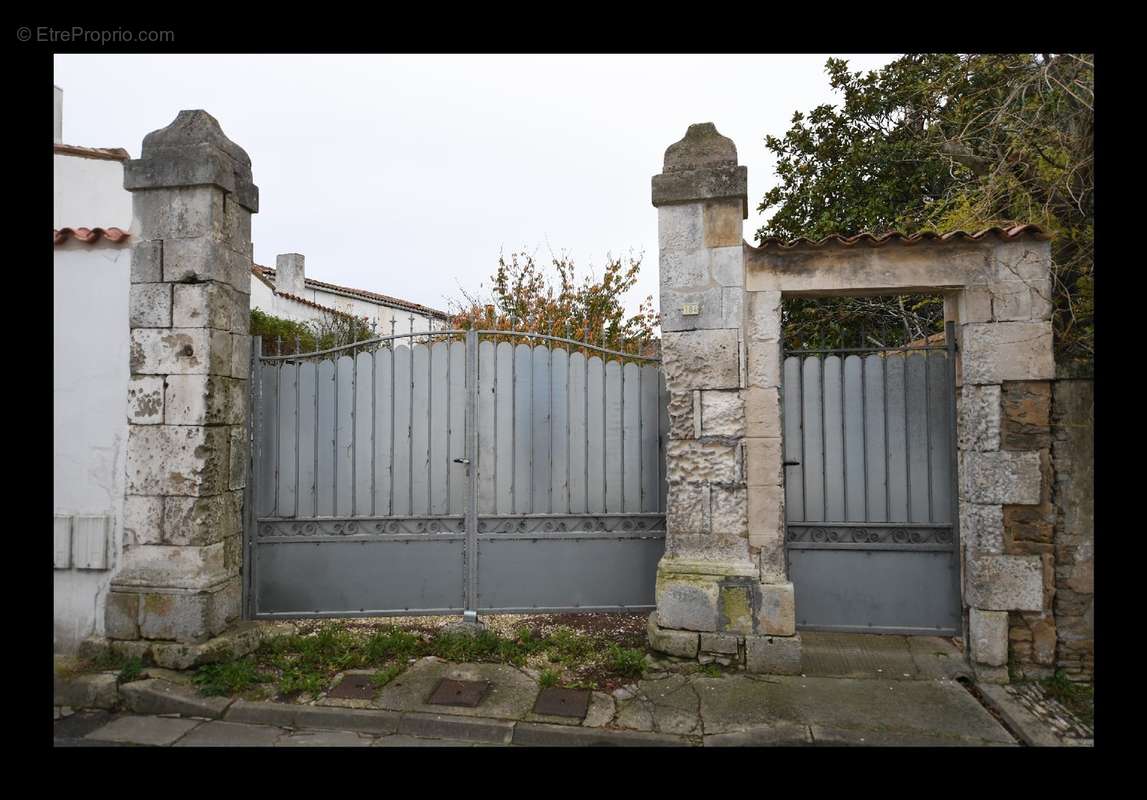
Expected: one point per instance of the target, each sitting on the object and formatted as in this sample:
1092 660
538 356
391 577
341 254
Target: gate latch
462 461
790 463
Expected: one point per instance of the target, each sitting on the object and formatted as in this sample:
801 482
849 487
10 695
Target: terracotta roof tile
269 272
106 153
88 235
874 240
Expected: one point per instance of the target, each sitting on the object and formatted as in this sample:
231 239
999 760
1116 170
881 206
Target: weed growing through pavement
1078 698
548 678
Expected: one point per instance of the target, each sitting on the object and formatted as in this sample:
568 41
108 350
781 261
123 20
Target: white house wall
264 299
89 193
89 398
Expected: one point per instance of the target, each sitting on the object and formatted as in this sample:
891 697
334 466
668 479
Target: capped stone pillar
722 593
193 198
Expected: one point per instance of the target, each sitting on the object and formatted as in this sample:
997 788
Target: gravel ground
627 629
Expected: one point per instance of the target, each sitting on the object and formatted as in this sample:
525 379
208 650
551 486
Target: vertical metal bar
254 403
470 553
953 454
373 428
429 419
513 422
335 440
533 412
298 414
640 440
410 423
823 444
393 418
928 426
315 476
843 438
494 401
887 454
569 416
354 433
449 405
907 442
278 429
550 385
804 462
585 396
864 426
621 428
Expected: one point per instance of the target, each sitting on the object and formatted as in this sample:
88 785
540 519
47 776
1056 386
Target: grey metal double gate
870 501
454 471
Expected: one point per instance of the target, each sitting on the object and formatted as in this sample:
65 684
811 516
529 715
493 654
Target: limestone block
763 462
240 356
1003 477
770 552
709 301
776 609
1041 298
683 270
203 259
722 413
202 520
736 610
204 400
145 400
205 305
692 461
174 567
177 460
1007 351
1022 261
149 305
732 306
687 509
1044 641
979 427
773 655
680 409
723 221
181 212
764 318
147 261
974 304
727 266
175 616
682 644
1004 583
724 643
982 528
706 359
99 690
1011 301
223 609
728 509
680 228
763 363
237 228
180 351
766 515
726 548
142 520
687 602
988 632
121 616
762 412
240 452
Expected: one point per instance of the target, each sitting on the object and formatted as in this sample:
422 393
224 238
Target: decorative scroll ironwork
353 527
875 534
652 523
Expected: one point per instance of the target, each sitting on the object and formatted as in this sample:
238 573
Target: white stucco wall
265 300
89 193
89 417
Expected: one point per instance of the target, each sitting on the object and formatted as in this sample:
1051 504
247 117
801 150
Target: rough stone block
707 359
982 528
680 409
121 616
1044 641
241 356
988 632
201 520
204 400
710 547
763 462
145 400
131 649
766 515
700 462
1007 351
736 609
1011 301
725 643
728 512
727 267
149 305
680 229
764 318
239 457
672 642
202 259
722 413
773 655
181 617
1002 477
1004 583
86 691
205 305
142 520
732 306
710 303
224 607
241 639
180 351
154 696
974 304
763 363
979 427
723 222
180 213
1026 415
177 460
776 609
147 261
687 602
687 509
168 566
1022 261
762 412
1029 523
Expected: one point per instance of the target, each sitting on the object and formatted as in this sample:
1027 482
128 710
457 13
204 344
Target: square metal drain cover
562 702
354 687
458 693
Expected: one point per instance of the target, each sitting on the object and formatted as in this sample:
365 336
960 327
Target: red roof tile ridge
107 153
364 294
88 235
876 240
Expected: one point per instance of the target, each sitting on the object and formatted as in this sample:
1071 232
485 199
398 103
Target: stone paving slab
231 734
308 738
838 737
511 695
848 655
154 731
784 734
155 696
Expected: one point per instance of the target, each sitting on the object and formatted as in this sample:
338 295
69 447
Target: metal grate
467 694
562 702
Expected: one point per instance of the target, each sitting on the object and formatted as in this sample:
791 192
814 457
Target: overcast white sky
407 174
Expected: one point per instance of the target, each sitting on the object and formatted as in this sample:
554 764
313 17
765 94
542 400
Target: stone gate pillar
722 590
193 198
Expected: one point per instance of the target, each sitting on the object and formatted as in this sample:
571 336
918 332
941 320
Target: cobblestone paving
1050 711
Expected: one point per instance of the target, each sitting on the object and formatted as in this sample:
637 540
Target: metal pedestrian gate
870 502
454 471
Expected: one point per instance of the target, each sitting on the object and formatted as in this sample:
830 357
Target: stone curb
469 729
322 717
1029 729
156 696
537 734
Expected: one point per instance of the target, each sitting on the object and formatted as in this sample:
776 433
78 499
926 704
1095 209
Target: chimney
289 275
58 116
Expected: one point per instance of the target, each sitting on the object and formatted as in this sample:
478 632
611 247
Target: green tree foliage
942 142
284 336
525 296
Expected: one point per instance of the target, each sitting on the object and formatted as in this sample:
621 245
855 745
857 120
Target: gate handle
790 463
461 461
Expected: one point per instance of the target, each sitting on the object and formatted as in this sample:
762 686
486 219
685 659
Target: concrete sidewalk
872 690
